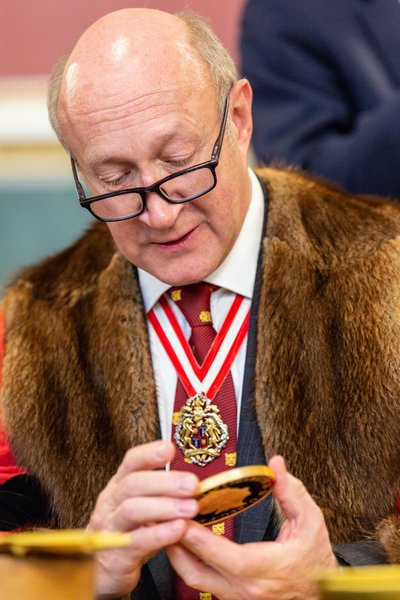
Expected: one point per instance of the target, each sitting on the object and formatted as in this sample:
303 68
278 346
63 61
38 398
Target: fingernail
187 507
162 450
188 484
176 526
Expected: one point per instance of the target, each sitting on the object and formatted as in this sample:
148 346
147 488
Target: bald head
134 51
149 45
143 49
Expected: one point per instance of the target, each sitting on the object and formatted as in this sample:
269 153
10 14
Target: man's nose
159 213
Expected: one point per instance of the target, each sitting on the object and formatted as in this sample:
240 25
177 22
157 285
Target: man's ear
240 108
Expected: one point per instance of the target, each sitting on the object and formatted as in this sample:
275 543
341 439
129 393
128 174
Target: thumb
290 492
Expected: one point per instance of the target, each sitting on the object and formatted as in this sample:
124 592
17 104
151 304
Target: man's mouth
178 242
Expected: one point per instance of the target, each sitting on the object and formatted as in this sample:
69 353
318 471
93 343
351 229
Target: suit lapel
162 574
250 526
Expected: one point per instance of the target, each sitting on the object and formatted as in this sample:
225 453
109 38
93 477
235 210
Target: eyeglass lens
183 187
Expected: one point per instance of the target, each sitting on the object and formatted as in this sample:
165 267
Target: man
90 378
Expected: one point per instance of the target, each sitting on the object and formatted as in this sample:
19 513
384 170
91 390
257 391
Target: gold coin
231 492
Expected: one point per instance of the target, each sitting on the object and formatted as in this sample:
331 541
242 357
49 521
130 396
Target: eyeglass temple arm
220 138
81 191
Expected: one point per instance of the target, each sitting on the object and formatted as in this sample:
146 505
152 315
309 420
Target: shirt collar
238 271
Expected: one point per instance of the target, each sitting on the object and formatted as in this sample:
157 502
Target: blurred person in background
326 83
101 341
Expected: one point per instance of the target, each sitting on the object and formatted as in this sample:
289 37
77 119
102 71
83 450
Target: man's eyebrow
95 161
184 138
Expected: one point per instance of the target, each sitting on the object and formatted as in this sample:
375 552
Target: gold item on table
361 583
52 564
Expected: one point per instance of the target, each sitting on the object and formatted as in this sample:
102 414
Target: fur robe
78 385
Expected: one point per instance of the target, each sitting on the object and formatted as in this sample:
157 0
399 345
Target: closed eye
180 163
118 181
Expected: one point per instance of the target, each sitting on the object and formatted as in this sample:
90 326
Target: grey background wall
36 219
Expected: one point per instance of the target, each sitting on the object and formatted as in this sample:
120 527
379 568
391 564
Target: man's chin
182 276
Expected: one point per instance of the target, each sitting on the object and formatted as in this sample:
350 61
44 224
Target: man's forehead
120 106
88 80
172 146
122 98
172 132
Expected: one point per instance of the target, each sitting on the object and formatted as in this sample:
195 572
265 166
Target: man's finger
220 553
135 512
195 573
149 456
175 484
147 540
291 494
118 570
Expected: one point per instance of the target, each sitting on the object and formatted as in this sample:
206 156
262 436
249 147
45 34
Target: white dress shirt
236 275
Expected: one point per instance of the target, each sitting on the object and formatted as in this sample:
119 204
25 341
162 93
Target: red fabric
195 299
8 464
2 343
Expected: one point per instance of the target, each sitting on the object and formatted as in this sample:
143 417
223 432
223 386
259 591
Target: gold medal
231 492
201 434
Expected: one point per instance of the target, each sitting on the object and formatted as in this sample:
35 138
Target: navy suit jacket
326 80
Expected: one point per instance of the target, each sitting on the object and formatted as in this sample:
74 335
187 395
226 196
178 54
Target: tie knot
194 302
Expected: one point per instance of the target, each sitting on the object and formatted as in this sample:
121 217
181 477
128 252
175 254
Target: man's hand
154 505
262 570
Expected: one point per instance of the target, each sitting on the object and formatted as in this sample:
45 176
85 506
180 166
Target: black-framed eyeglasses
180 187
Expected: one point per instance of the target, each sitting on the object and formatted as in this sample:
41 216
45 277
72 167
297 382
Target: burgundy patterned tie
194 302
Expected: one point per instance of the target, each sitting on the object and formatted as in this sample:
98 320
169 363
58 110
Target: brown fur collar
78 376
78 385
